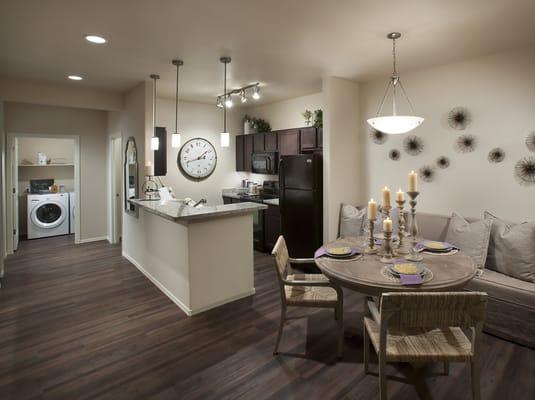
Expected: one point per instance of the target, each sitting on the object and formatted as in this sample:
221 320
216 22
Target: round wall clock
197 159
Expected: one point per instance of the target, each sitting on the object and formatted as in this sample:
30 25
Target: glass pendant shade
395 124
154 143
225 139
176 140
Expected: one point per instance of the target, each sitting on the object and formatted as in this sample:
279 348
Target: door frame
115 209
8 174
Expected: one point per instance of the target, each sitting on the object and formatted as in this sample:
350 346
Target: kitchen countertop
271 202
235 194
176 211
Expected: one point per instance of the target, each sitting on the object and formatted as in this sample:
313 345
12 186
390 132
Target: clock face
197 158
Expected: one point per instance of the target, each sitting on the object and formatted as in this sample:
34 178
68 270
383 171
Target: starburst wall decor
459 118
525 171
378 137
496 155
394 154
530 141
443 162
466 143
413 145
427 173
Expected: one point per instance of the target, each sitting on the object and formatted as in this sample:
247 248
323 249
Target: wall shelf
46 165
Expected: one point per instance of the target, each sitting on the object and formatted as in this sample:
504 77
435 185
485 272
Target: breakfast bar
199 257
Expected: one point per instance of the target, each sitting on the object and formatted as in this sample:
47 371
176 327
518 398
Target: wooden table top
363 274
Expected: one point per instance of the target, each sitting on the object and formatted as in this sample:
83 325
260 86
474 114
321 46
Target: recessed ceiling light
95 39
75 77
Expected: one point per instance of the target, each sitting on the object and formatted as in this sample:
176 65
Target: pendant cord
176 100
224 100
395 73
154 106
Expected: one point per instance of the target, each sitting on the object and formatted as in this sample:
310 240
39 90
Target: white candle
413 181
386 197
400 196
387 225
372 210
149 169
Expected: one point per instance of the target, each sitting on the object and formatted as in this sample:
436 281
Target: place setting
407 273
436 248
339 252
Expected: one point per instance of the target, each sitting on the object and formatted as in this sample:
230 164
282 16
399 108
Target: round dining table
367 274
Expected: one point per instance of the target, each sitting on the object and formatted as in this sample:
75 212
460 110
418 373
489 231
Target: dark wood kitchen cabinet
258 142
288 142
248 147
270 141
240 153
309 138
272 227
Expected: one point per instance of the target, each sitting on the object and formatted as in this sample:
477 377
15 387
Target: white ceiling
288 45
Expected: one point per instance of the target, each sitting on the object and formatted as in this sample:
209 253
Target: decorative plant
318 118
248 118
307 115
261 125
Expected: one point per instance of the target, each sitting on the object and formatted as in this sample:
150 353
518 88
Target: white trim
188 311
94 239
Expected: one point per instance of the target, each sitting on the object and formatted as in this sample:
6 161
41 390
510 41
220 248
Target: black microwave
265 163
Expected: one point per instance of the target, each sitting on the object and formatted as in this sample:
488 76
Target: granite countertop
176 211
235 194
272 202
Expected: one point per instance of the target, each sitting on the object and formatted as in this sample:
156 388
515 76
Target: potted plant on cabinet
307 115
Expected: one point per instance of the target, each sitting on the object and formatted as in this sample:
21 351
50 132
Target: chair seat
310 296
449 344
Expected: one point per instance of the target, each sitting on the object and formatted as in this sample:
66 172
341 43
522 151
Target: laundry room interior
46 186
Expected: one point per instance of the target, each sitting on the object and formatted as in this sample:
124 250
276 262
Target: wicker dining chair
425 327
305 290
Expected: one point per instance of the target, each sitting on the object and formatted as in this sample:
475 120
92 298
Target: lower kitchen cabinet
272 227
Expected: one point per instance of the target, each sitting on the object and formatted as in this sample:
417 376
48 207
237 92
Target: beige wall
205 121
499 91
287 113
90 126
2 191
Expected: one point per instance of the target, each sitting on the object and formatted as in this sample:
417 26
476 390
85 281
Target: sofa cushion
354 220
471 238
505 288
512 249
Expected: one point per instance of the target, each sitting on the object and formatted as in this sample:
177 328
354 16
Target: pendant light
395 124
175 137
224 136
154 141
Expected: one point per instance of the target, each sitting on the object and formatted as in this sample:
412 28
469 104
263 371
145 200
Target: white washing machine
72 201
48 215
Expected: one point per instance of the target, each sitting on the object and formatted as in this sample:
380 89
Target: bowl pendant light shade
154 141
224 135
176 139
395 124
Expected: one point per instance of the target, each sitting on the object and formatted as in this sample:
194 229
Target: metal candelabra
414 254
386 211
401 228
387 248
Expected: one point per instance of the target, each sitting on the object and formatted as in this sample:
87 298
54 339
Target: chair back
433 310
281 257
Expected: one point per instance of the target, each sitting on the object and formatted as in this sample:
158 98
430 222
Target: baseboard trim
187 310
157 283
93 239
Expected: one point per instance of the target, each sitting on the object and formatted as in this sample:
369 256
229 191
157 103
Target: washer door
49 214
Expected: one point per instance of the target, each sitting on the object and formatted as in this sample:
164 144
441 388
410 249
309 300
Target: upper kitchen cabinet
240 153
288 142
319 136
270 141
308 138
248 146
258 142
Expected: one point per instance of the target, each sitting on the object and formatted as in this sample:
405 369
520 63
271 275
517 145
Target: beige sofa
511 302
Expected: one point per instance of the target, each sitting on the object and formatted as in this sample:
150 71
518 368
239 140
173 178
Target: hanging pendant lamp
175 137
395 124
154 141
225 136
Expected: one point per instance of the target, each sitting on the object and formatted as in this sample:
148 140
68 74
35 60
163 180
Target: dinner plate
420 269
431 245
342 251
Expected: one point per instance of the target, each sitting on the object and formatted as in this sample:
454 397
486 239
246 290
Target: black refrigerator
301 203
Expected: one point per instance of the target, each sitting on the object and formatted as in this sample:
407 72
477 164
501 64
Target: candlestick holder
386 211
414 255
387 248
401 228
371 249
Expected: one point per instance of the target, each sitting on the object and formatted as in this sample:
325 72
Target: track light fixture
256 92
225 99
243 97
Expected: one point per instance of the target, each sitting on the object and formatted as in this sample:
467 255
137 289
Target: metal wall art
459 118
525 171
466 143
496 155
394 154
427 173
443 162
413 145
530 141
378 137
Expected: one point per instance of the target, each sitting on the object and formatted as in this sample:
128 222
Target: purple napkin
323 252
413 279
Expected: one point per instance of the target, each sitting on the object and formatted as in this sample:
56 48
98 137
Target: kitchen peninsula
199 257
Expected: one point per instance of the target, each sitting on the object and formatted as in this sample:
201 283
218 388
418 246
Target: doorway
116 192
41 168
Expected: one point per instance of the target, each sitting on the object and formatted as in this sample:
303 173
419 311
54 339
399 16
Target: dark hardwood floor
80 322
